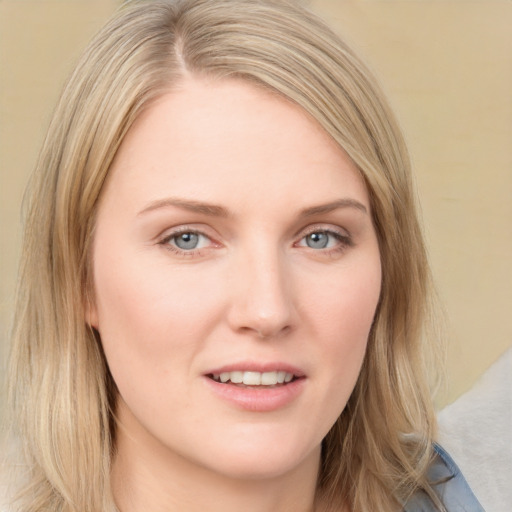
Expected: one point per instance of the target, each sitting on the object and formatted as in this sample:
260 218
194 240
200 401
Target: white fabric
476 430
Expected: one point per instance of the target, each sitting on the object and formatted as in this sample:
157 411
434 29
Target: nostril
270 331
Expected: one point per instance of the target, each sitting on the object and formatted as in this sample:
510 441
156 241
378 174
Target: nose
262 302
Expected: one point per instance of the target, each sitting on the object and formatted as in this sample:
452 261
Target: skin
255 289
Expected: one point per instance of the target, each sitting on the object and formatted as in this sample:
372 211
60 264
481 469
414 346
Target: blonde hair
61 393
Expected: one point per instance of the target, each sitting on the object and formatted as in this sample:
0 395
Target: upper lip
261 367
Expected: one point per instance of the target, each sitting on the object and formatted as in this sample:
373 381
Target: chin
258 462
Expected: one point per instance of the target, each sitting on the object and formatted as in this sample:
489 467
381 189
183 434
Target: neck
149 479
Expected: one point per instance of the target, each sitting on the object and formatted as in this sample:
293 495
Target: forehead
224 140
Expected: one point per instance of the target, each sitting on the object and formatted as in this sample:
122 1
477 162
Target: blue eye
318 240
328 241
186 241
324 240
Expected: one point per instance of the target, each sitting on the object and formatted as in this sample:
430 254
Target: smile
250 378
257 386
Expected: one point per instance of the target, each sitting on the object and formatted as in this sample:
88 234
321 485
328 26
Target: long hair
61 393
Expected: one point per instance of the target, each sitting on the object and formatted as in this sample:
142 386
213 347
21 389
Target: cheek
148 316
346 303
151 334
139 295
343 317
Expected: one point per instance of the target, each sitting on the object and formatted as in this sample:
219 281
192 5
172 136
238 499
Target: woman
224 295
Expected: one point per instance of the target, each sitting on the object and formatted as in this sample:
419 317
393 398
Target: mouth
249 379
257 387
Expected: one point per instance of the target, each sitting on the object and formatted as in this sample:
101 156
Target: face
236 275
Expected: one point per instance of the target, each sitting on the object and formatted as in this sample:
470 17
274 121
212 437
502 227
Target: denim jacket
452 489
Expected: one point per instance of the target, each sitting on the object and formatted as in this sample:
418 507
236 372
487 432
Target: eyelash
344 241
165 242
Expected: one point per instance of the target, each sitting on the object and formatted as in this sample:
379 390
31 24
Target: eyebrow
334 205
190 205
213 210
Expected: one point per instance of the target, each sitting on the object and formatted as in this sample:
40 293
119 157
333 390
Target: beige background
447 68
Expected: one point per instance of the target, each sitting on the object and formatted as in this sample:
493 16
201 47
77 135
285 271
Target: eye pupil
187 240
317 240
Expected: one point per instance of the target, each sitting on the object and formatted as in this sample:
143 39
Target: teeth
269 378
254 378
236 377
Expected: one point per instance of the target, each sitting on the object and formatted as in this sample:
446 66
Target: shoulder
476 430
449 484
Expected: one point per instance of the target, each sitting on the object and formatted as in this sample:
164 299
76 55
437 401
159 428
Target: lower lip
257 399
